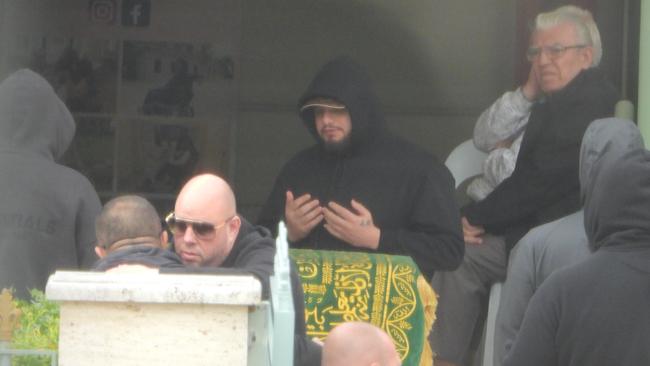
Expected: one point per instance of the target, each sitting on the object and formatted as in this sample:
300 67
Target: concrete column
141 319
644 73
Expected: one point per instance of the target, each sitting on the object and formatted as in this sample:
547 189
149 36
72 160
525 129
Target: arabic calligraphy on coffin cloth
385 290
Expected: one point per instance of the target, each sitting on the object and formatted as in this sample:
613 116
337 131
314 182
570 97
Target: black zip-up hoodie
409 193
253 253
544 185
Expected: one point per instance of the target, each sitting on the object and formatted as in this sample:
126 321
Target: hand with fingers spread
354 228
472 234
301 214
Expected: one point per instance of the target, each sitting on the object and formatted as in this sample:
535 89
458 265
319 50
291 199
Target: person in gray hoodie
47 210
559 243
596 312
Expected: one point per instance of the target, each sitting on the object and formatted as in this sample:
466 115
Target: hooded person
361 188
596 312
47 211
559 243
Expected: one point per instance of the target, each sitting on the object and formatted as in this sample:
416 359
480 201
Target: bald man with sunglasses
208 233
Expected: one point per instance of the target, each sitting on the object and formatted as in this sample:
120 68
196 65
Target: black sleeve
433 235
256 257
273 210
548 175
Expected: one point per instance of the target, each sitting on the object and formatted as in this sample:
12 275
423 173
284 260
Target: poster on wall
92 151
175 79
82 71
166 155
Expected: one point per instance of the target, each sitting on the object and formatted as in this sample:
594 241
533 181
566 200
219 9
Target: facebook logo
135 13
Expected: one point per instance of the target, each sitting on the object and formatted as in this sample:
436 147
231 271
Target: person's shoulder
571 280
593 85
303 158
255 237
401 148
70 182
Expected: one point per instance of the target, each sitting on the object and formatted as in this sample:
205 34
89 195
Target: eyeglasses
553 52
203 230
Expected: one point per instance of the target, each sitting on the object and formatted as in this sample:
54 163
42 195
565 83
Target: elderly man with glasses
563 94
208 233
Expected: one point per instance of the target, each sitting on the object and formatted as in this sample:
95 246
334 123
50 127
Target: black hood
345 81
615 184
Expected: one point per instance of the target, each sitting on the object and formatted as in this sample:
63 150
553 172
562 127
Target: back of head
33 117
359 344
127 217
582 21
345 81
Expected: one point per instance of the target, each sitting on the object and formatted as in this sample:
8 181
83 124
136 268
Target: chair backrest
465 161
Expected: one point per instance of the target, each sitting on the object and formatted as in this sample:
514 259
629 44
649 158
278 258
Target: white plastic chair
464 162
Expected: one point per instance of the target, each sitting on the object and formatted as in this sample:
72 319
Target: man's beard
337 147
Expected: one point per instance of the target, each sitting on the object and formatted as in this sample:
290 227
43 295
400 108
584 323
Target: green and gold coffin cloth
385 290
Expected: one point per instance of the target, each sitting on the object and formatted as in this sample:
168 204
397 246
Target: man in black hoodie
360 187
209 234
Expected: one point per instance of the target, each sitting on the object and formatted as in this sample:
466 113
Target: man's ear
233 228
164 239
100 251
587 56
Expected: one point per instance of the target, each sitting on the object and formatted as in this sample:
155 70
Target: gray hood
605 139
33 118
609 193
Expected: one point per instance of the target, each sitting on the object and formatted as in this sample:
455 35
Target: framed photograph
92 152
83 71
174 79
160 157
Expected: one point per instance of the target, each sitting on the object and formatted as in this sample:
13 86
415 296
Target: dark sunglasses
202 230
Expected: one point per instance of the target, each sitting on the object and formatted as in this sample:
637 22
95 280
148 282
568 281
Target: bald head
359 344
127 217
206 201
209 193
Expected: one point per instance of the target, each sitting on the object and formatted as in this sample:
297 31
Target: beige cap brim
321 104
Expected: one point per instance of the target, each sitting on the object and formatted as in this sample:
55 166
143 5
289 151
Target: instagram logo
102 11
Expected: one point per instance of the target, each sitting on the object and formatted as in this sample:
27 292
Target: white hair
582 21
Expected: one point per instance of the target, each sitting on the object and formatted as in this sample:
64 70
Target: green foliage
39 328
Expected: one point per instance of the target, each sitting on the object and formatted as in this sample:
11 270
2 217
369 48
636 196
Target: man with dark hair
129 231
361 188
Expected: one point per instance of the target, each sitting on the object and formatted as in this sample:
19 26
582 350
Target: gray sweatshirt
47 211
